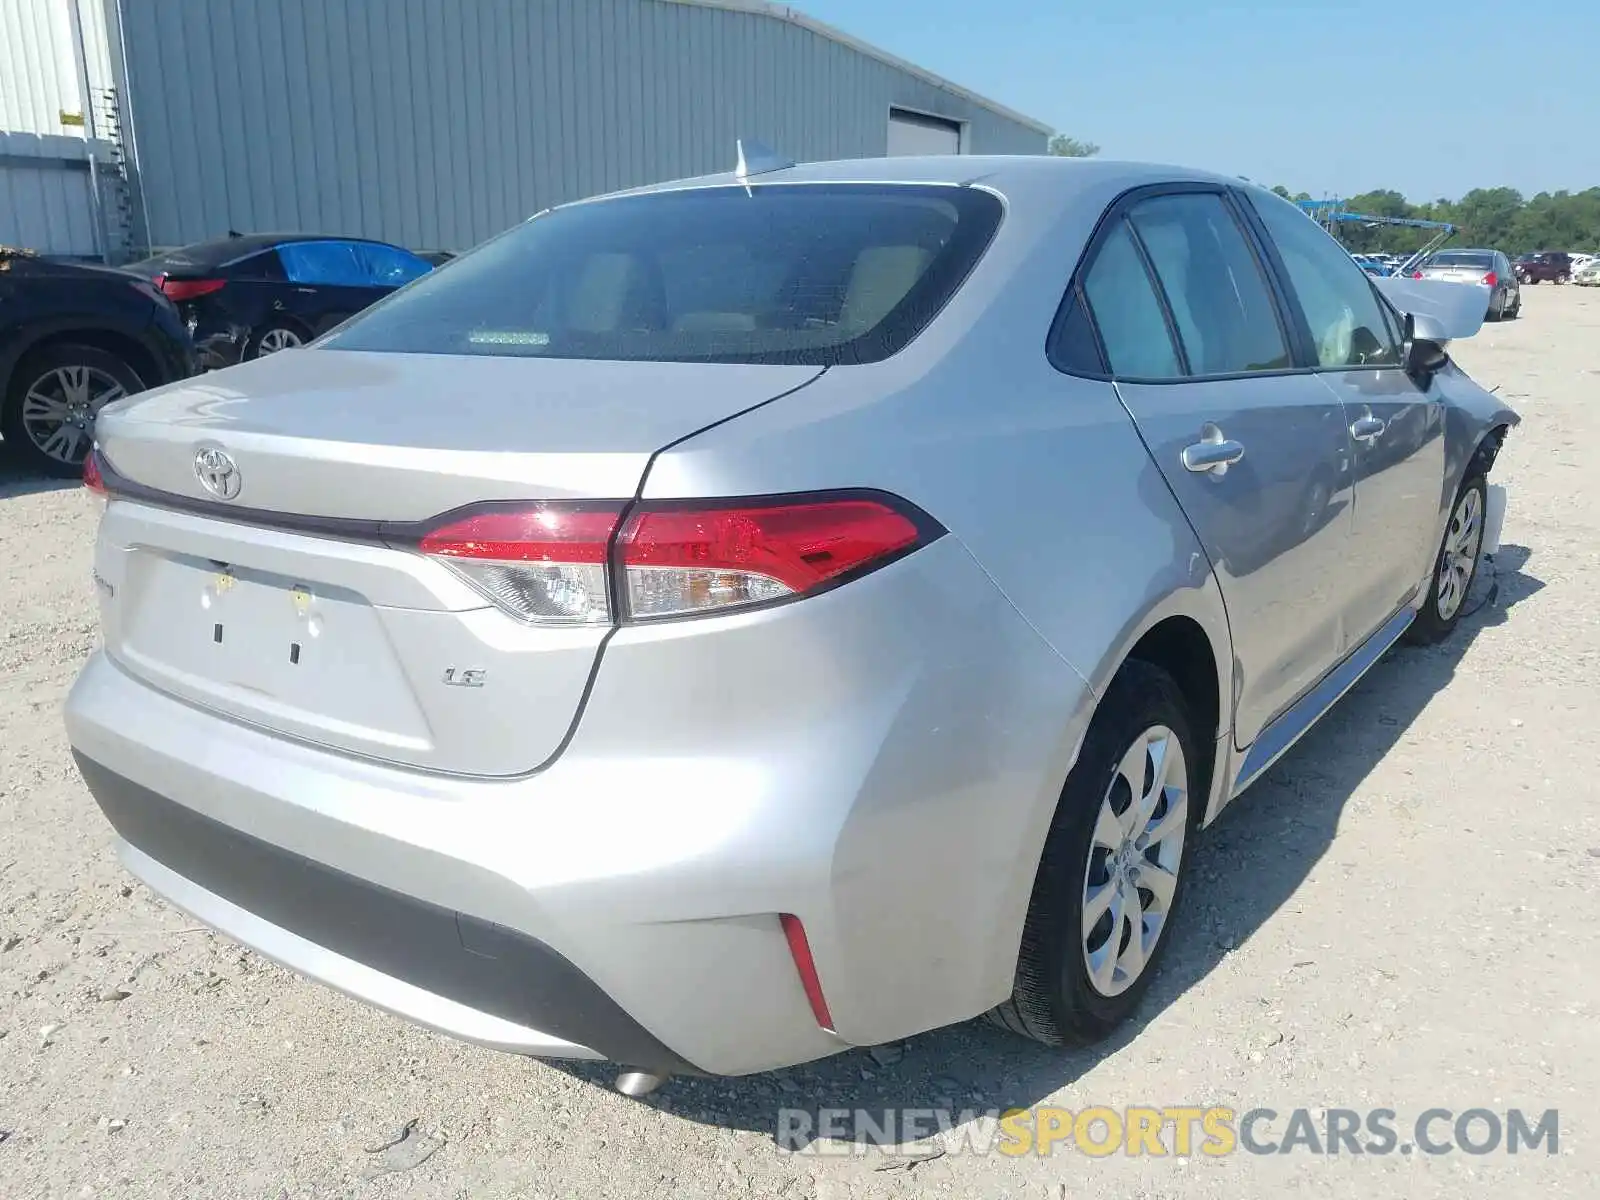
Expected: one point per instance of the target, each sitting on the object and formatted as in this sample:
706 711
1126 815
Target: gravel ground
1401 915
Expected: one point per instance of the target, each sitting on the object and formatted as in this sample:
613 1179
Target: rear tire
1074 986
279 335
56 393
1455 566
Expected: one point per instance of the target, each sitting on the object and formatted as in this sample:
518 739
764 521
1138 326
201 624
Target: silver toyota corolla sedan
714 626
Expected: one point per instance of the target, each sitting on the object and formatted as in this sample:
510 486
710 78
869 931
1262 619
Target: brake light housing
602 563
93 479
1491 280
179 290
542 563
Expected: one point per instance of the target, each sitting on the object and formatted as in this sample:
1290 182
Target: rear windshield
798 273
1461 258
201 256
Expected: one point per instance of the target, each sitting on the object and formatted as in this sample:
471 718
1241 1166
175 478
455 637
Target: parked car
1545 266
1373 265
1489 267
1581 261
1588 275
244 296
578 653
72 339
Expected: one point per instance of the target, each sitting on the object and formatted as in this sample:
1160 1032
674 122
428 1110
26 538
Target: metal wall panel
38 66
44 195
436 123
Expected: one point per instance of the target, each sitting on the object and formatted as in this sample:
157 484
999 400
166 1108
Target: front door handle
1367 428
1212 454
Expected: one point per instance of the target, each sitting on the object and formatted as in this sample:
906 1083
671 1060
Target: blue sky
1331 98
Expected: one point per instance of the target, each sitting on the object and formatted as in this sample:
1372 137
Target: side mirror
1424 349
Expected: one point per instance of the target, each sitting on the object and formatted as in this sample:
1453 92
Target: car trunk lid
291 605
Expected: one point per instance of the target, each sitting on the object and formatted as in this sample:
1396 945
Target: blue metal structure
1329 213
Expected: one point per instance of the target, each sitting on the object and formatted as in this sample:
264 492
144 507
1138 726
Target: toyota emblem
217 472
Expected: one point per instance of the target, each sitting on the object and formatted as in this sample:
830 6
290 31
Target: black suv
1552 266
73 338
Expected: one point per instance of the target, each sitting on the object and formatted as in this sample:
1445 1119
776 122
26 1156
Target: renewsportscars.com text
1170 1130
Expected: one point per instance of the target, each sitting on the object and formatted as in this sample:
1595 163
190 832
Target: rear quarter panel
1040 476
41 307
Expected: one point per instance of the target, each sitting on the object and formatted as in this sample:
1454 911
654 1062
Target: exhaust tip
637 1083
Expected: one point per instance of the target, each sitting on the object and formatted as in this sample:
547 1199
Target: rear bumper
446 969
881 761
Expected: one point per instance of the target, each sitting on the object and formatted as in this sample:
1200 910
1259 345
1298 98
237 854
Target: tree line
1501 218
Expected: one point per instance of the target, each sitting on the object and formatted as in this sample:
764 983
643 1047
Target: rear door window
802 273
389 266
1214 287
266 265
324 264
1126 311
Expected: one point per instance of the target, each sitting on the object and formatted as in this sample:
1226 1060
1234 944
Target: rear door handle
1213 454
1367 428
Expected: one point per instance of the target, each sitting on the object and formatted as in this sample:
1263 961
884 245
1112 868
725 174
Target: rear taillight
544 562
178 290
1416 274
1491 280
678 561
92 479
560 563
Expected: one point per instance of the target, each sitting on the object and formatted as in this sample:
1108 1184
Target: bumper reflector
800 949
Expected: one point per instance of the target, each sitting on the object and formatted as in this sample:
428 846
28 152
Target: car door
1396 423
1255 453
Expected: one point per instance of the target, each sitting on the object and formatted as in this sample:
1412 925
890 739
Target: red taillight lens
552 562
189 289
1416 274
1491 280
686 560
543 562
92 479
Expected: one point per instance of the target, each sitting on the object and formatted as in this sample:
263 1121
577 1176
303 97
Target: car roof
218 252
1006 173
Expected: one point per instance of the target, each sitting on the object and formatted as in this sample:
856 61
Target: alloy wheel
1461 543
1135 855
274 340
59 408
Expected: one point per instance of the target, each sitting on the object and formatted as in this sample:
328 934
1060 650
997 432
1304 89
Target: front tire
55 395
1455 566
1110 880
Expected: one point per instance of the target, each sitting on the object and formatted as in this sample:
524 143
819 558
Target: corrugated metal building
55 117
436 123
